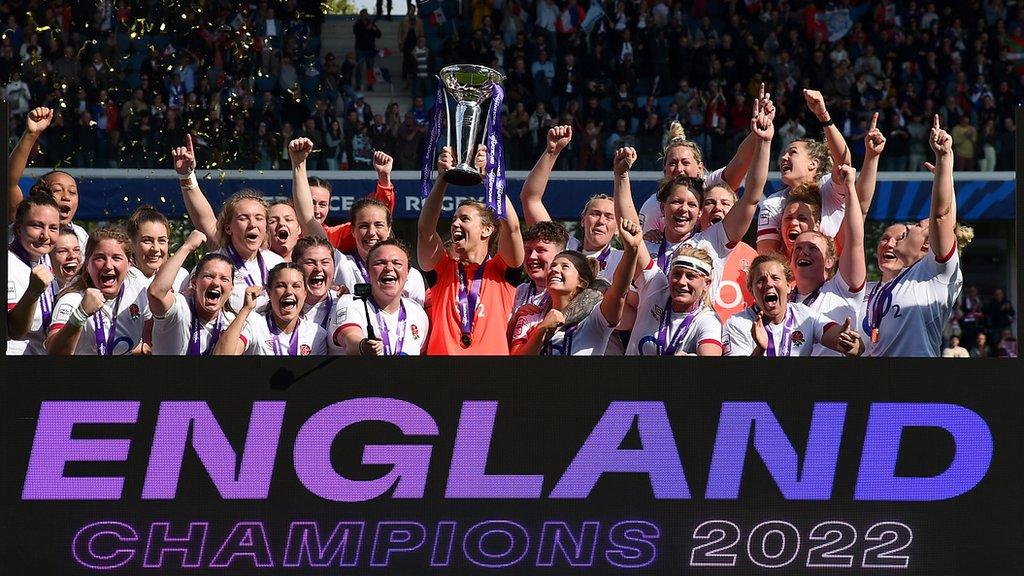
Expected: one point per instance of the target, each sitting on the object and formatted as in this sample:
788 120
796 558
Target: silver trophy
470 86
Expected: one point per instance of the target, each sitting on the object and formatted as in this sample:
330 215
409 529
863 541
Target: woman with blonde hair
238 232
905 312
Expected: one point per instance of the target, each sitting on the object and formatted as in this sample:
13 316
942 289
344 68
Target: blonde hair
702 255
83 280
677 138
227 211
819 151
964 235
806 193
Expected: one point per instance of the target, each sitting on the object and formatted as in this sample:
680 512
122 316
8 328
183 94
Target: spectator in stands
981 347
999 313
955 350
366 33
1007 347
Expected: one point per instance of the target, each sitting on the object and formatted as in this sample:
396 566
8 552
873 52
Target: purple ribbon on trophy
469 86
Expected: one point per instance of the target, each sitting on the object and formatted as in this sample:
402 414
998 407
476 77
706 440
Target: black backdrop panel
768 511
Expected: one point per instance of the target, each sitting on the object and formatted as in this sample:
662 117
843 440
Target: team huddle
672 278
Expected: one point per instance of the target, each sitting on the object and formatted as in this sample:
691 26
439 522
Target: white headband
692 263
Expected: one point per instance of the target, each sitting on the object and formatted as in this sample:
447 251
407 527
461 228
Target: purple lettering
557 537
443 541
812 482
468 478
88 542
658 457
246 540
409 463
341 549
513 541
53 448
396 537
972 441
190 546
634 544
178 419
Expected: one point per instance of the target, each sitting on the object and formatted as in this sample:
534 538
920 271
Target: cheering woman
570 274
776 326
279 331
31 288
149 232
191 325
472 300
103 310
384 323
906 311
238 232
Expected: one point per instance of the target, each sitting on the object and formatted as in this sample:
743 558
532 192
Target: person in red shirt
341 235
472 300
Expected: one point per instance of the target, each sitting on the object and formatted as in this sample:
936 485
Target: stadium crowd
130 79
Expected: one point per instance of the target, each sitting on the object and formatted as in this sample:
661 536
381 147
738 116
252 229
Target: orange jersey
733 295
341 235
494 306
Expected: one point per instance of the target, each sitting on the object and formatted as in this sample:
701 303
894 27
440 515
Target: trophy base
463 175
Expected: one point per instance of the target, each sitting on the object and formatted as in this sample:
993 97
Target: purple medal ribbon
384 336
878 308
430 150
566 348
786 342
809 300
240 265
468 299
362 267
293 344
105 343
195 330
663 255
494 183
602 258
667 345
50 294
327 312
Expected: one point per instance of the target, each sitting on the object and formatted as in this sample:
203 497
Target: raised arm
625 209
737 221
852 265
532 193
737 168
429 246
874 144
942 218
199 210
614 301
38 120
19 318
302 198
230 342
63 340
837 147
161 291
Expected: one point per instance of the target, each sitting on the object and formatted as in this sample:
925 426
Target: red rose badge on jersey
304 350
798 338
415 332
134 311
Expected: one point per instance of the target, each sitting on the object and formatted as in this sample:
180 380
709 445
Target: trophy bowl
469 86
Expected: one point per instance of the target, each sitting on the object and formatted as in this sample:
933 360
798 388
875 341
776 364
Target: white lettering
737 294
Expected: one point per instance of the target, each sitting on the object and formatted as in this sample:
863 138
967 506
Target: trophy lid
470 79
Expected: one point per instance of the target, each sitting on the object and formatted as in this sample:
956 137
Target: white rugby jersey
836 300
349 274
249 274
653 286
19 274
805 328
181 278
714 241
587 338
913 308
404 337
651 217
126 332
309 338
833 210
606 267
172 334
